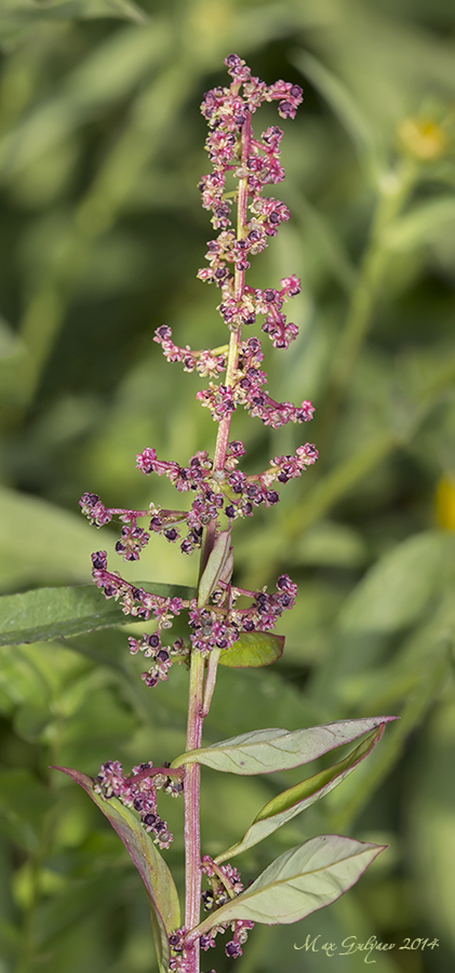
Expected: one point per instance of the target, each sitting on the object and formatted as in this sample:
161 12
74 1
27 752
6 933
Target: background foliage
102 233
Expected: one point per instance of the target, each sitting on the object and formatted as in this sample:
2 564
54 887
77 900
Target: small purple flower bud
171 534
248 625
233 949
150 820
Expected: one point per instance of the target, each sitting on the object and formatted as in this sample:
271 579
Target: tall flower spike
218 486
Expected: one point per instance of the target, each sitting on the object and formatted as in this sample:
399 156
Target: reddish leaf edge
162 925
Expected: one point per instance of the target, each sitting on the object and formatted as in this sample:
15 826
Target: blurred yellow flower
423 138
445 502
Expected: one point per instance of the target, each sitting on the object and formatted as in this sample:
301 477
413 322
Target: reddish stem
196 712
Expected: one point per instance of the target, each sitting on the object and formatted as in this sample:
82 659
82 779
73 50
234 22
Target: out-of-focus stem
394 192
198 707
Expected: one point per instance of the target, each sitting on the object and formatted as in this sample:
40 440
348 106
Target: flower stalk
221 494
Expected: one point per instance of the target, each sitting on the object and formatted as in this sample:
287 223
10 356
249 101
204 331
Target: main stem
196 692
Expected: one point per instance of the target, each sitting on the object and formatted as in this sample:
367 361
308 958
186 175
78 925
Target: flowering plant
228 624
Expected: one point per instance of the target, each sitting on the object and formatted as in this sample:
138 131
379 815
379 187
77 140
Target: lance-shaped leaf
155 874
286 805
263 751
302 880
252 650
48 613
219 556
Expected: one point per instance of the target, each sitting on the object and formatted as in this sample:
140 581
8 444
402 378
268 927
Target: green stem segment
196 708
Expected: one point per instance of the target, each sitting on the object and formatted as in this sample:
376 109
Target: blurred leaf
396 591
58 543
30 720
287 805
344 806
48 613
111 70
301 881
263 751
10 343
252 650
330 246
24 801
331 543
22 12
343 103
340 481
157 878
431 817
422 225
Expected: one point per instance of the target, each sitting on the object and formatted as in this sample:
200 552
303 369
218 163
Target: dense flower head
218 624
224 884
218 486
139 791
227 111
205 362
95 511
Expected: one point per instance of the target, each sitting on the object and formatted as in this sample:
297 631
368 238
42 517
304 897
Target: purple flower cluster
220 625
206 362
219 486
226 111
95 511
229 489
237 311
225 883
139 791
163 656
217 625
179 962
135 601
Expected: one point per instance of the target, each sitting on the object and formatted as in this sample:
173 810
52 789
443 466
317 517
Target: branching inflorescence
223 615
219 487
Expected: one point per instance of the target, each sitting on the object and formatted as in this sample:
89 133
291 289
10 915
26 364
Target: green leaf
252 650
291 802
155 873
397 589
48 613
264 751
299 882
214 567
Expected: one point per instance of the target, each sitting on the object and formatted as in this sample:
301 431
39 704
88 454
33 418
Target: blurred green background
102 233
